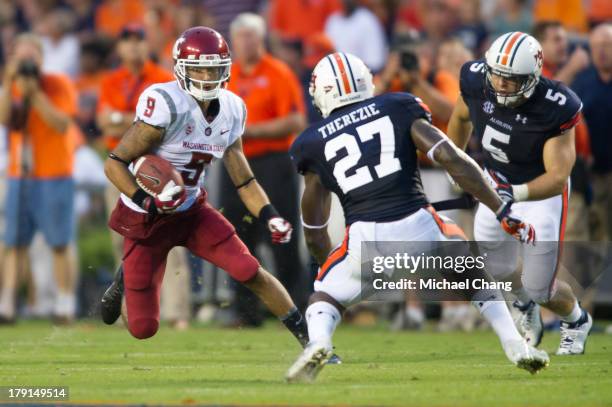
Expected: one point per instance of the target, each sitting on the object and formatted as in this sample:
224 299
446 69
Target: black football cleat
110 305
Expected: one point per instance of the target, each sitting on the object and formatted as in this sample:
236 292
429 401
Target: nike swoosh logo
224 131
156 181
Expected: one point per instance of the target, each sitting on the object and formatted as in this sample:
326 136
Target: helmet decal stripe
502 47
348 64
518 45
345 81
508 48
335 75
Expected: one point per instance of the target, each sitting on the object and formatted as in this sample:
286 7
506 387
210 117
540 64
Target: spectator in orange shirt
38 109
570 13
599 11
119 94
275 114
113 15
121 87
299 19
93 61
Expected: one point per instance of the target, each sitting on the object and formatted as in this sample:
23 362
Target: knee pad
143 328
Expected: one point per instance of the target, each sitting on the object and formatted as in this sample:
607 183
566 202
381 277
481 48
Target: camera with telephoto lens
405 45
29 69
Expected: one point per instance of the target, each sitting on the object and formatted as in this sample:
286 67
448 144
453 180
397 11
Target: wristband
520 192
116 158
268 212
139 196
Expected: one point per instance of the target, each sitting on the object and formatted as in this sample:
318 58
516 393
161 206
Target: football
153 174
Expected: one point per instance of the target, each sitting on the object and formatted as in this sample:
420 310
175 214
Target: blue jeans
40 204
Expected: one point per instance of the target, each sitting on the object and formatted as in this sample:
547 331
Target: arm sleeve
153 109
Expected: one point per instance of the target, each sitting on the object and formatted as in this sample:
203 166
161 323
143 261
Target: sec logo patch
488 107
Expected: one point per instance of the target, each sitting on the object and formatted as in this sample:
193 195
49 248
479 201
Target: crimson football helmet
204 49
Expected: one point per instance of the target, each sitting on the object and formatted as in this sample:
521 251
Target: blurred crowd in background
89 60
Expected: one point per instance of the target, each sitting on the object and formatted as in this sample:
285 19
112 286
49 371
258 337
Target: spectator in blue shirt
594 86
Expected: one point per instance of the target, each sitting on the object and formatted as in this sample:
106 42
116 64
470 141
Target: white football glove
280 229
170 198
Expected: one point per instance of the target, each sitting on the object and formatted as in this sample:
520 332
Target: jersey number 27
388 163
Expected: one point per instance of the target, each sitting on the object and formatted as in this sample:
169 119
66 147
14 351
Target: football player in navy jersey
365 151
526 124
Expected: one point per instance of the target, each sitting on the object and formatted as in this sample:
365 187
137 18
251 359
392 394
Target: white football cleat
574 336
309 363
529 322
525 356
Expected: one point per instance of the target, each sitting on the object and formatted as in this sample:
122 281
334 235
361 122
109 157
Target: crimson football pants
206 233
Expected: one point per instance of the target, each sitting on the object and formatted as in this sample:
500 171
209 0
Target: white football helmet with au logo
517 57
338 80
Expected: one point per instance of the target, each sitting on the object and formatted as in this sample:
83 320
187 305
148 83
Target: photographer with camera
37 109
409 69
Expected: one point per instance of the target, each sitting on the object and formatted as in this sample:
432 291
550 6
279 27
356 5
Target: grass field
207 365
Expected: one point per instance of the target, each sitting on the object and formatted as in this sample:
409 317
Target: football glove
502 186
165 202
514 226
280 230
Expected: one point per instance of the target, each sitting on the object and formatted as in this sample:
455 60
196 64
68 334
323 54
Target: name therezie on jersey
203 146
353 117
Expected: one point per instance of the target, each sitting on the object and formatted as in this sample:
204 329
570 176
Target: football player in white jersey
526 123
189 122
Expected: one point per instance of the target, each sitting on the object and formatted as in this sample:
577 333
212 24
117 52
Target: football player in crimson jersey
190 122
365 151
526 124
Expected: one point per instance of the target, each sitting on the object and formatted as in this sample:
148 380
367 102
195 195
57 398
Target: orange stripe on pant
508 49
448 229
335 256
341 67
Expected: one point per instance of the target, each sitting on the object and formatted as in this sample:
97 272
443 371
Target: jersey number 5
193 170
497 153
361 176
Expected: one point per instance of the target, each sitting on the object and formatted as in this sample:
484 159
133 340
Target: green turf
215 366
